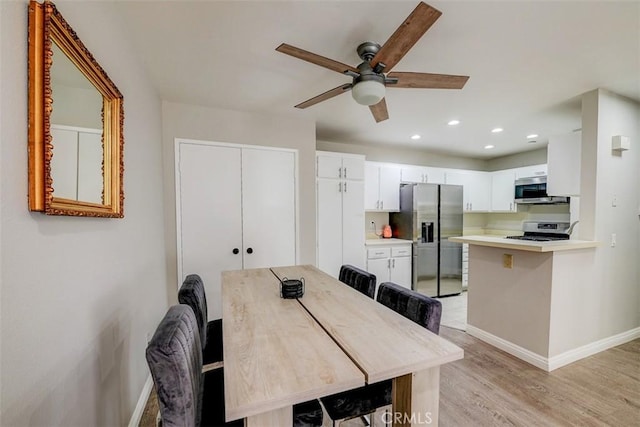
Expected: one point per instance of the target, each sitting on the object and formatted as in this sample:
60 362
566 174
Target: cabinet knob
236 251
249 250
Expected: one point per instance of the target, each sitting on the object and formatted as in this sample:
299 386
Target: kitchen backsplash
484 223
379 219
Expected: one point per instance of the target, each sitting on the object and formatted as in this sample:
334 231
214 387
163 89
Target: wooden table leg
276 418
416 398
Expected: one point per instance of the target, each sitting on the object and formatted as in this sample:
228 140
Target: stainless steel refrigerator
429 215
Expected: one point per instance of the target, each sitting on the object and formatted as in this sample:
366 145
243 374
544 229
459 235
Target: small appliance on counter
386 232
540 231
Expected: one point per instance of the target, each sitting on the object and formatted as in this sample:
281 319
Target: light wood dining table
279 352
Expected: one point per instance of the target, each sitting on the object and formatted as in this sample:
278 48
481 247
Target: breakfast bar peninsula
523 296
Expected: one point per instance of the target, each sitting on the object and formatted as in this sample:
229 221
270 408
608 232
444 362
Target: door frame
176 170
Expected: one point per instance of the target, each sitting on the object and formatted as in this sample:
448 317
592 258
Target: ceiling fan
370 78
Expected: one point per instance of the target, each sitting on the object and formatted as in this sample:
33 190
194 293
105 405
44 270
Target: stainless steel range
545 231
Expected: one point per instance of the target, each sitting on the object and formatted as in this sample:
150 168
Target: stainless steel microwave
534 191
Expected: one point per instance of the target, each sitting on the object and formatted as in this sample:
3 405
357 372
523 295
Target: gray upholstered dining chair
362 401
192 294
186 396
358 279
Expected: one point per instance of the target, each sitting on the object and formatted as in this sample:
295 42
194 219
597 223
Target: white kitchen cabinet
382 187
339 166
390 264
563 160
340 212
235 209
502 191
422 174
476 188
529 171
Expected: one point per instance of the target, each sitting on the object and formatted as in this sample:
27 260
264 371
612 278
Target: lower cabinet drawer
399 251
375 253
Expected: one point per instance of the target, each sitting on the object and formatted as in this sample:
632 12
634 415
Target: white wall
403 155
527 158
603 295
78 294
211 124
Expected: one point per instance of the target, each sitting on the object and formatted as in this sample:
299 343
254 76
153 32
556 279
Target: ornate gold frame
46 25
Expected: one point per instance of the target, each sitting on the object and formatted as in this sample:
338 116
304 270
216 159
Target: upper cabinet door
413 174
334 165
371 186
268 208
390 188
502 191
353 168
529 171
434 175
476 188
329 166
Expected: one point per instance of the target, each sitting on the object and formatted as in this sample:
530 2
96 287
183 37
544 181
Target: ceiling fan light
368 92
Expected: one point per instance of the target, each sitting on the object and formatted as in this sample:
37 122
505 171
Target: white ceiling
528 63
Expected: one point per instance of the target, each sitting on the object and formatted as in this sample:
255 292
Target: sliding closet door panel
210 224
268 208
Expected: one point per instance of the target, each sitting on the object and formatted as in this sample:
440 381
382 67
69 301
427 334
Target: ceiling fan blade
407 34
379 111
315 59
324 96
428 81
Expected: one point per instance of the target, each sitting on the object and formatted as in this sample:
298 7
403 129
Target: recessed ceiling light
416 136
497 130
489 147
454 122
533 135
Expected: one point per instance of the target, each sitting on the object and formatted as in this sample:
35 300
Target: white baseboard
142 402
520 352
571 356
555 362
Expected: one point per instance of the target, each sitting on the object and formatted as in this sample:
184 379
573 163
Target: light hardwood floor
492 388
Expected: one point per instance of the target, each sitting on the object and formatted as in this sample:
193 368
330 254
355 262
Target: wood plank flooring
492 388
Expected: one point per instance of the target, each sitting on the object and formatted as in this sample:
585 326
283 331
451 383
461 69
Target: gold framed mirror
76 120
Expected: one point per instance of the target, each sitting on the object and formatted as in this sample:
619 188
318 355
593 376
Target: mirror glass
76 132
75 123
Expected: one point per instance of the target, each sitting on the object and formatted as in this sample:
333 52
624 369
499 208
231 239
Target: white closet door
329 208
64 163
268 208
210 215
353 251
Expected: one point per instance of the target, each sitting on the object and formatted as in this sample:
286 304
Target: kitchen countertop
526 245
387 242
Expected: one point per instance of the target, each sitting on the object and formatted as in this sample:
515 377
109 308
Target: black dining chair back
174 357
362 401
421 309
358 279
192 293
